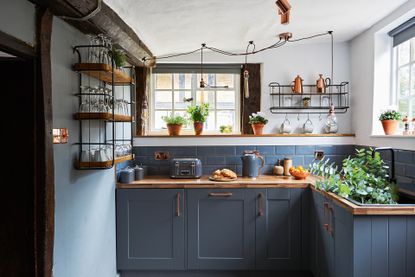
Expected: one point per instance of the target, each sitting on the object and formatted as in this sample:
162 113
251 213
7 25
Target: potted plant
257 121
390 120
174 124
119 57
306 101
225 128
198 114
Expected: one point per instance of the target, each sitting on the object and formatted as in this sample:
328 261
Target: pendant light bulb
246 83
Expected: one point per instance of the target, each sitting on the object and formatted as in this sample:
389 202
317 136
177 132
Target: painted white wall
85 200
371 80
17 18
282 65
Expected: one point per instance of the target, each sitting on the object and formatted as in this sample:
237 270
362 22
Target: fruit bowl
299 174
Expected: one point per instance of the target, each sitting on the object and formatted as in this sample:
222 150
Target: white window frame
194 88
395 82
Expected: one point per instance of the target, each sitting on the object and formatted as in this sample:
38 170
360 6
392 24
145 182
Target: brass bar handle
260 204
331 215
178 204
220 194
325 224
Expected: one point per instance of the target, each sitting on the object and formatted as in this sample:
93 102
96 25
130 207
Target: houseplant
306 101
390 120
257 121
174 124
362 178
119 57
198 114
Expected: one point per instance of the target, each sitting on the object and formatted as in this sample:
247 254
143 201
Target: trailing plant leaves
362 178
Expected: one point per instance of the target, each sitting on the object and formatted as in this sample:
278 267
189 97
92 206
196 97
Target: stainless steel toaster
185 168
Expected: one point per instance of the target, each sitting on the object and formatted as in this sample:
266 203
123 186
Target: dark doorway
17 198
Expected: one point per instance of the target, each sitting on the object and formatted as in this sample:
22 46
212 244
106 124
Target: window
172 92
404 96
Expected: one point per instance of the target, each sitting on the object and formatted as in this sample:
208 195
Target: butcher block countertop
268 181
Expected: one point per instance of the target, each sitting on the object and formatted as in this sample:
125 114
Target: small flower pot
257 128
198 126
306 102
174 129
390 126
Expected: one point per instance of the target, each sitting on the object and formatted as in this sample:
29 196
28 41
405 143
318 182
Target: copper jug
321 84
297 85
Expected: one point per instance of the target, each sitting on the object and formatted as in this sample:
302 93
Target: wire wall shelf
285 101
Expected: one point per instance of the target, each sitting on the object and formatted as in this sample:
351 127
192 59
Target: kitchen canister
127 175
138 173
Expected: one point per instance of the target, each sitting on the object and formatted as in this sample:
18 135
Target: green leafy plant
257 118
119 57
390 115
306 99
174 120
225 128
362 178
198 113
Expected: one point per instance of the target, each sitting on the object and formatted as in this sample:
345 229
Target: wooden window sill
246 135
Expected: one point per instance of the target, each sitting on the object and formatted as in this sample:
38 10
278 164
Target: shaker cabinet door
278 229
221 229
150 229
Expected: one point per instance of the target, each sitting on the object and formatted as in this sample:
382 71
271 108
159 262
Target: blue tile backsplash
214 157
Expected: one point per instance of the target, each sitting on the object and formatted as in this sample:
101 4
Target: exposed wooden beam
106 21
45 186
14 46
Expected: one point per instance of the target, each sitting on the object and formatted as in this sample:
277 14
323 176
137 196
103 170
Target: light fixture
284 10
246 72
202 83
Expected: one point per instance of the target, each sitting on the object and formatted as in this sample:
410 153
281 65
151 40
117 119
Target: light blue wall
17 18
85 200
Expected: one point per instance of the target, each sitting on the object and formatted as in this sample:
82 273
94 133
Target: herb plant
174 120
119 57
363 178
390 115
198 113
258 118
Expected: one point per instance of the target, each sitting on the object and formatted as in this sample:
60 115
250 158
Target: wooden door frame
44 190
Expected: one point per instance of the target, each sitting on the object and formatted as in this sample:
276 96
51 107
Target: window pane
158 121
226 118
403 53
210 122
225 80
182 81
163 81
225 99
179 99
163 100
412 115
206 96
403 106
403 81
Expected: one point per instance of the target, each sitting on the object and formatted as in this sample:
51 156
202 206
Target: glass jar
331 126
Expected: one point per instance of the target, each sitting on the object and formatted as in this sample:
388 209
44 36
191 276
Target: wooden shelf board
106 164
102 72
103 116
248 135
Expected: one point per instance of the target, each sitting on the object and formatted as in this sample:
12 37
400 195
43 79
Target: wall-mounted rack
284 101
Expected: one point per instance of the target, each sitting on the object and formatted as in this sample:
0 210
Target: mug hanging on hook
285 126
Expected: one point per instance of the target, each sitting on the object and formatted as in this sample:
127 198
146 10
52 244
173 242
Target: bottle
288 163
331 122
406 126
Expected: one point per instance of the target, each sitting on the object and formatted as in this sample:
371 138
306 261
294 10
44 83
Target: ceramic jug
297 85
250 164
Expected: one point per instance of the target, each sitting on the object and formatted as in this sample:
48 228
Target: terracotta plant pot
174 129
198 126
257 128
390 126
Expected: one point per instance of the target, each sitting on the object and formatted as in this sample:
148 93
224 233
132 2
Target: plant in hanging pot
198 114
174 124
390 120
257 121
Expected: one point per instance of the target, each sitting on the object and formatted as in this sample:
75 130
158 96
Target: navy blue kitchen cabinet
150 229
278 229
221 229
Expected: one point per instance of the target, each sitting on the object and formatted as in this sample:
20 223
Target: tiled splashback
214 157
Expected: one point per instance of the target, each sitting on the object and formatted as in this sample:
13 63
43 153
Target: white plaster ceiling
172 26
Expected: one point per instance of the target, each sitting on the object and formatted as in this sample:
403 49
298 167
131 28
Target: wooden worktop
267 181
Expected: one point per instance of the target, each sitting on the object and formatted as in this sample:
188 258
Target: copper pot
321 84
297 85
